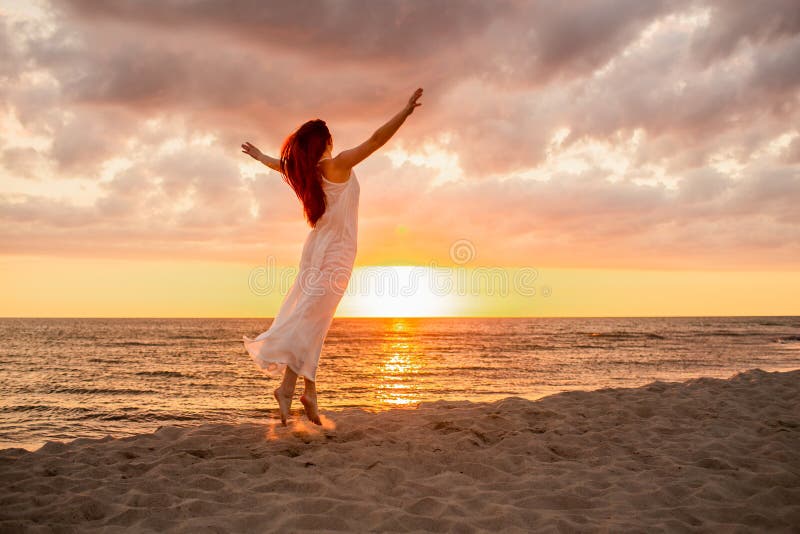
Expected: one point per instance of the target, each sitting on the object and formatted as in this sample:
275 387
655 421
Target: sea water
62 379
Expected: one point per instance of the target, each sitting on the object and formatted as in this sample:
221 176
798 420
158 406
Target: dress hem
257 362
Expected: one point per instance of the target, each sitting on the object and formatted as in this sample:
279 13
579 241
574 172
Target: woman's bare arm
269 161
350 158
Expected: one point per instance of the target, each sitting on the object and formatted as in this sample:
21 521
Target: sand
702 455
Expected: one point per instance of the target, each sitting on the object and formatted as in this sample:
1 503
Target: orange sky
647 163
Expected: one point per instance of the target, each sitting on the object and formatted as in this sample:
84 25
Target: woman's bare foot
284 404
310 406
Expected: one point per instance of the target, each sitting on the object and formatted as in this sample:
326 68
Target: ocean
63 379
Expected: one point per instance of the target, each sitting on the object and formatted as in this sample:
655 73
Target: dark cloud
736 23
9 58
347 30
539 41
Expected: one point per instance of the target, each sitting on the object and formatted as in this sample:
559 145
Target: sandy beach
701 455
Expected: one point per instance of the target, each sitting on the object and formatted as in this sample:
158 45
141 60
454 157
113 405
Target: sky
627 157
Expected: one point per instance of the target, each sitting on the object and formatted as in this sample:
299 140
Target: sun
396 291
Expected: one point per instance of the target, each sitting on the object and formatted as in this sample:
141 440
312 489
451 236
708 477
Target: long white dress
296 335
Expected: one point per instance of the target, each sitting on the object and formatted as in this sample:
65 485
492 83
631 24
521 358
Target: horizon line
407 317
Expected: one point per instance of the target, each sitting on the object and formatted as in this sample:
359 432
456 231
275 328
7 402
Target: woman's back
341 205
332 244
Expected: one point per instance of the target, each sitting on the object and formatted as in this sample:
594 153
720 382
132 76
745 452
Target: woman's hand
272 163
412 102
248 148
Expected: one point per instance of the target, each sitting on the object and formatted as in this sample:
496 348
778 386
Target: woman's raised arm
272 163
348 159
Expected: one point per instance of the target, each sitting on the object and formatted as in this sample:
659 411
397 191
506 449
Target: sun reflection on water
397 371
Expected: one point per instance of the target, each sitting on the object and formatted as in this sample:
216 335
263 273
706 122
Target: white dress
296 334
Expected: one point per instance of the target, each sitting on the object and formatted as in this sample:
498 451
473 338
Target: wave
27 408
44 408
624 335
134 344
678 363
144 417
100 391
161 373
727 333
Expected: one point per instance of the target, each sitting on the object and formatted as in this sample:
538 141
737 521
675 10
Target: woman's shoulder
333 175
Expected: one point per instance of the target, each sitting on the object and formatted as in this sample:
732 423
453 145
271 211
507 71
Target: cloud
733 24
356 29
22 162
610 132
792 154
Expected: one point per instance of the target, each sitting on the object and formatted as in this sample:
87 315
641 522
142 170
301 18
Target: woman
329 191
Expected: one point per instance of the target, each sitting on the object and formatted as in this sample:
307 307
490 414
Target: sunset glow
398 291
400 365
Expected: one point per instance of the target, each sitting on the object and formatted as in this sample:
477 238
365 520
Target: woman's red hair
300 154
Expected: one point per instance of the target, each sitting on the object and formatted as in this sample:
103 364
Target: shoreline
705 453
271 411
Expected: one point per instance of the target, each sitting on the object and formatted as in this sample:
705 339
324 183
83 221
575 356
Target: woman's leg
309 400
284 393
289 382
